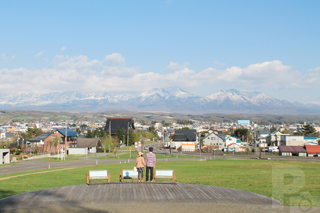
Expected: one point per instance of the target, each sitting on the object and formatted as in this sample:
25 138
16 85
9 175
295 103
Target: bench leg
108 177
120 177
174 177
88 181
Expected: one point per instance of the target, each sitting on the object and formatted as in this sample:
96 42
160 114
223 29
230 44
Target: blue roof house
310 140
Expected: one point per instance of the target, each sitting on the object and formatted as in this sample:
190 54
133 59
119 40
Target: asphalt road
30 165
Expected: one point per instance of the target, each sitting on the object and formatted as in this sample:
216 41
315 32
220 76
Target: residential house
44 142
9 136
262 135
232 140
244 122
71 137
310 140
4 156
214 139
313 150
114 123
292 150
92 144
183 136
2 135
234 144
274 138
292 140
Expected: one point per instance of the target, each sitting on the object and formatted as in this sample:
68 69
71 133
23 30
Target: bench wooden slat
128 174
98 175
164 174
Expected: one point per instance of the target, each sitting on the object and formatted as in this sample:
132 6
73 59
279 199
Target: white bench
98 175
128 174
164 174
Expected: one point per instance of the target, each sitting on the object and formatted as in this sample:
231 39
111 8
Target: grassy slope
250 175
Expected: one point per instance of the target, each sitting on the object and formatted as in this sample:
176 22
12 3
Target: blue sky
201 46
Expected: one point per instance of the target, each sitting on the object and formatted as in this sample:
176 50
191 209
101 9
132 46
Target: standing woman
140 164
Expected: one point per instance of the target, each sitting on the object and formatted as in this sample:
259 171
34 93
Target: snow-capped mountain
235 101
171 99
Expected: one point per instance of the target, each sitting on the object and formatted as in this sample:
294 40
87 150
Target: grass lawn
249 175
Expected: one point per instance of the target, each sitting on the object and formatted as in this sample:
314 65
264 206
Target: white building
4 156
214 140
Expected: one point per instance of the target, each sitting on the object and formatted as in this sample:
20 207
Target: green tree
78 131
83 126
185 127
31 133
273 128
153 131
97 133
120 134
107 143
286 131
308 130
204 134
297 133
241 133
55 141
89 134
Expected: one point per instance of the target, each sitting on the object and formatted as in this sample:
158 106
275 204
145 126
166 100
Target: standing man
150 160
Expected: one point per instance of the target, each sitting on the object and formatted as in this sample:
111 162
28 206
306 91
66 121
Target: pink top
140 162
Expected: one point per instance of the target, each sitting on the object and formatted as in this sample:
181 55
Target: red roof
313 149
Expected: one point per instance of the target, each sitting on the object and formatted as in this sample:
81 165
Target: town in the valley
23 140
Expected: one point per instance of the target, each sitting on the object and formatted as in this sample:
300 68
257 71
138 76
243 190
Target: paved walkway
41 164
133 193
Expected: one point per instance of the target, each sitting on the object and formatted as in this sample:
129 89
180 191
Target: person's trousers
140 173
151 173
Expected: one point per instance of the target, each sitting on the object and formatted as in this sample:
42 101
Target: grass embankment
249 175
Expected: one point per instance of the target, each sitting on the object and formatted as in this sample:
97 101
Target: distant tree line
184 122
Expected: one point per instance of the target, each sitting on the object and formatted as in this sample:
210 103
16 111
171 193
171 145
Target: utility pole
255 142
66 139
128 135
199 145
109 135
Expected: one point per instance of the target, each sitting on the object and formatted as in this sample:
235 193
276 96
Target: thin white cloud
317 69
4 56
39 54
63 48
218 63
79 63
79 73
115 59
176 66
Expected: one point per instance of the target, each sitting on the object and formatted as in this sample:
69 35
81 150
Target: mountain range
171 99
